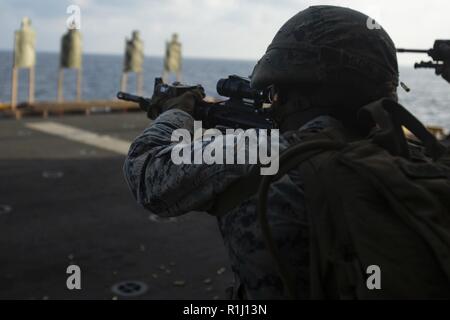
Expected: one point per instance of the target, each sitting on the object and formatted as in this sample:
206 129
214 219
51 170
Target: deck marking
90 138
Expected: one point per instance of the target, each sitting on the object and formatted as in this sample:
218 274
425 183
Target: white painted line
90 138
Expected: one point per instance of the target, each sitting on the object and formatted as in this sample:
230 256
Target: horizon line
162 57
145 55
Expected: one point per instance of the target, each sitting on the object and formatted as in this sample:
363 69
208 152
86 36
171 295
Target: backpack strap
390 116
290 159
336 272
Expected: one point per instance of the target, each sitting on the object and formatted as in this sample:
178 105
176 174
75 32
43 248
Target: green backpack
379 212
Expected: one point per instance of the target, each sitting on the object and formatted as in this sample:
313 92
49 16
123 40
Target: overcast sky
233 29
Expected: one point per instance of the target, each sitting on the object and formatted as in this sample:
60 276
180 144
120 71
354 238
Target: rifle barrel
413 50
128 97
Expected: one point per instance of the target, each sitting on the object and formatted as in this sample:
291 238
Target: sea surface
429 98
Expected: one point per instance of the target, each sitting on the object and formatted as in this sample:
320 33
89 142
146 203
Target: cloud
210 28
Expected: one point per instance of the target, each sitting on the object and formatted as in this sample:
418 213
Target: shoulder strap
290 159
347 273
390 116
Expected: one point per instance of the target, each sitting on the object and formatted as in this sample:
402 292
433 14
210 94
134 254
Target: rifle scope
236 87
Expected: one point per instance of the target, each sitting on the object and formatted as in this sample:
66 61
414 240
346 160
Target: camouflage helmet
329 45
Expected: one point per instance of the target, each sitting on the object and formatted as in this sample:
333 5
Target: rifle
440 53
243 109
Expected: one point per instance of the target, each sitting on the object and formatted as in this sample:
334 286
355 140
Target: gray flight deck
64 202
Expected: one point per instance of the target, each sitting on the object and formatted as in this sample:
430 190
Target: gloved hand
186 102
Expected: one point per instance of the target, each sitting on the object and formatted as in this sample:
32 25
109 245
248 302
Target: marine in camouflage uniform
171 190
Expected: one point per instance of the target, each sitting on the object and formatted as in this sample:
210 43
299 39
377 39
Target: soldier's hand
186 102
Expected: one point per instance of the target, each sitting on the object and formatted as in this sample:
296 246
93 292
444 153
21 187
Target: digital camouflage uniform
169 190
328 47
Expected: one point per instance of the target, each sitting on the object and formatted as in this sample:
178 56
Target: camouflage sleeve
170 189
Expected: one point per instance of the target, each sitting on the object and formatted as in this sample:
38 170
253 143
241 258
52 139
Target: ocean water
429 98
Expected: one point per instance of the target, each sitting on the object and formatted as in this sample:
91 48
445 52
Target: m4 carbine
440 53
244 108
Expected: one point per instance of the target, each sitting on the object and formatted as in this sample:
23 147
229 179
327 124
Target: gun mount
440 53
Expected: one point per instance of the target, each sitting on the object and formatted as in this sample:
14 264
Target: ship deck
65 202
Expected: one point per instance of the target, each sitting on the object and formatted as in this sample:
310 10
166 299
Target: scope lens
235 87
